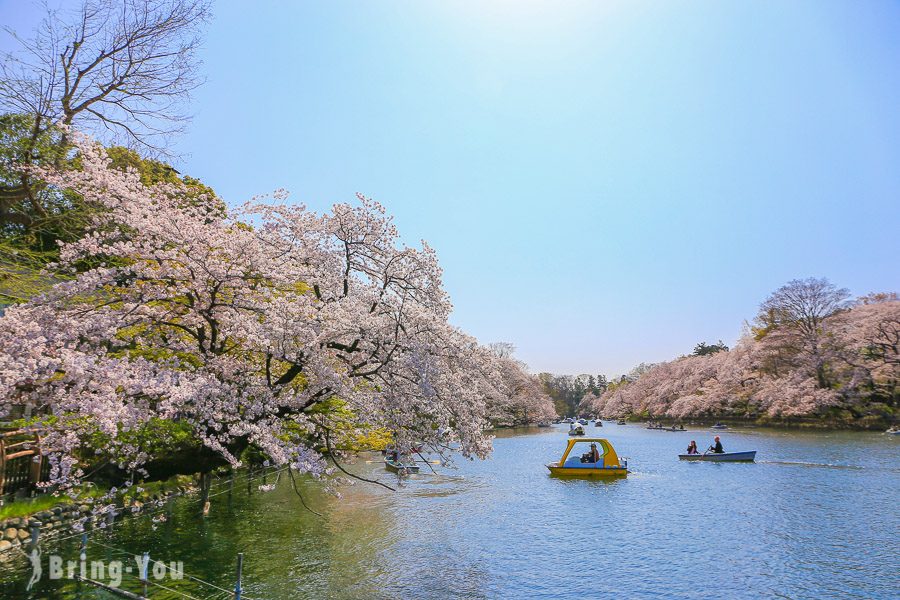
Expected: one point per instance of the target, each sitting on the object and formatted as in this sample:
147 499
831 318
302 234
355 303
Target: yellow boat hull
587 473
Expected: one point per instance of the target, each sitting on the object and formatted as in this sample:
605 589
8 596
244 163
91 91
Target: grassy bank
89 493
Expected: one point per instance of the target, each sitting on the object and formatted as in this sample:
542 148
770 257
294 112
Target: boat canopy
608 456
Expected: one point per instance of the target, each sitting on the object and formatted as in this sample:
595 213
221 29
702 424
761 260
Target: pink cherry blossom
241 324
778 374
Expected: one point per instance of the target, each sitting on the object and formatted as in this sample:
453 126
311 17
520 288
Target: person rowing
717 447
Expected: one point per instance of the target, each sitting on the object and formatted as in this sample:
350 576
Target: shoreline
799 423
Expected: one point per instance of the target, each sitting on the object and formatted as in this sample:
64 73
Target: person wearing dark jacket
717 448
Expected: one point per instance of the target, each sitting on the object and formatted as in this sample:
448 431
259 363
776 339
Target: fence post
36 462
145 566
240 568
2 463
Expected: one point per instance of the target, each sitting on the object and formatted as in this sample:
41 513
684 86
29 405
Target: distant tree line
567 391
812 352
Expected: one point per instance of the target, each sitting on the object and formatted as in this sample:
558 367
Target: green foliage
33 215
157 437
703 349
369 439
567 391
21 272
24 144
29 506
36 217
34 421
135 349
153 172
142 491
347 432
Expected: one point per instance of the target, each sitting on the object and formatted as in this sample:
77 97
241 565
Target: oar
426 462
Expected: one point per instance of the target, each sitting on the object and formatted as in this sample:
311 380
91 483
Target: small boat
721 457
598 423
675 429
893 431
620 422
719 426
583 421
568 420
398 466
576 429
573 464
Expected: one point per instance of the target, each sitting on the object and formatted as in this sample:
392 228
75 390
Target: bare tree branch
345 471
119 69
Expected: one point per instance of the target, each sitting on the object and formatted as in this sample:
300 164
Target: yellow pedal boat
598 460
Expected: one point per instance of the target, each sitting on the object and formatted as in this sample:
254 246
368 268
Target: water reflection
816 517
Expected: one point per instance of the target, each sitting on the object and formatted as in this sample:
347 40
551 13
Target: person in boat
692 448
717 447
592 455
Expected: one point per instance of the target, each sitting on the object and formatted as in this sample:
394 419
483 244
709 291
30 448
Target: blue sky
605 183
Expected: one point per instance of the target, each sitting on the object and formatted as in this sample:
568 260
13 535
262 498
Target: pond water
817 516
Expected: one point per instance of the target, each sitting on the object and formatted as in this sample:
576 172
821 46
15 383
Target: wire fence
219 590
210 590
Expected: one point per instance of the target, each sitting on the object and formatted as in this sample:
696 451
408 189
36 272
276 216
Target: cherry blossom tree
867 344
813 352
246 326
525 401
795 315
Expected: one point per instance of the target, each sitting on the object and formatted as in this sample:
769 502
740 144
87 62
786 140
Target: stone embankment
65 518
